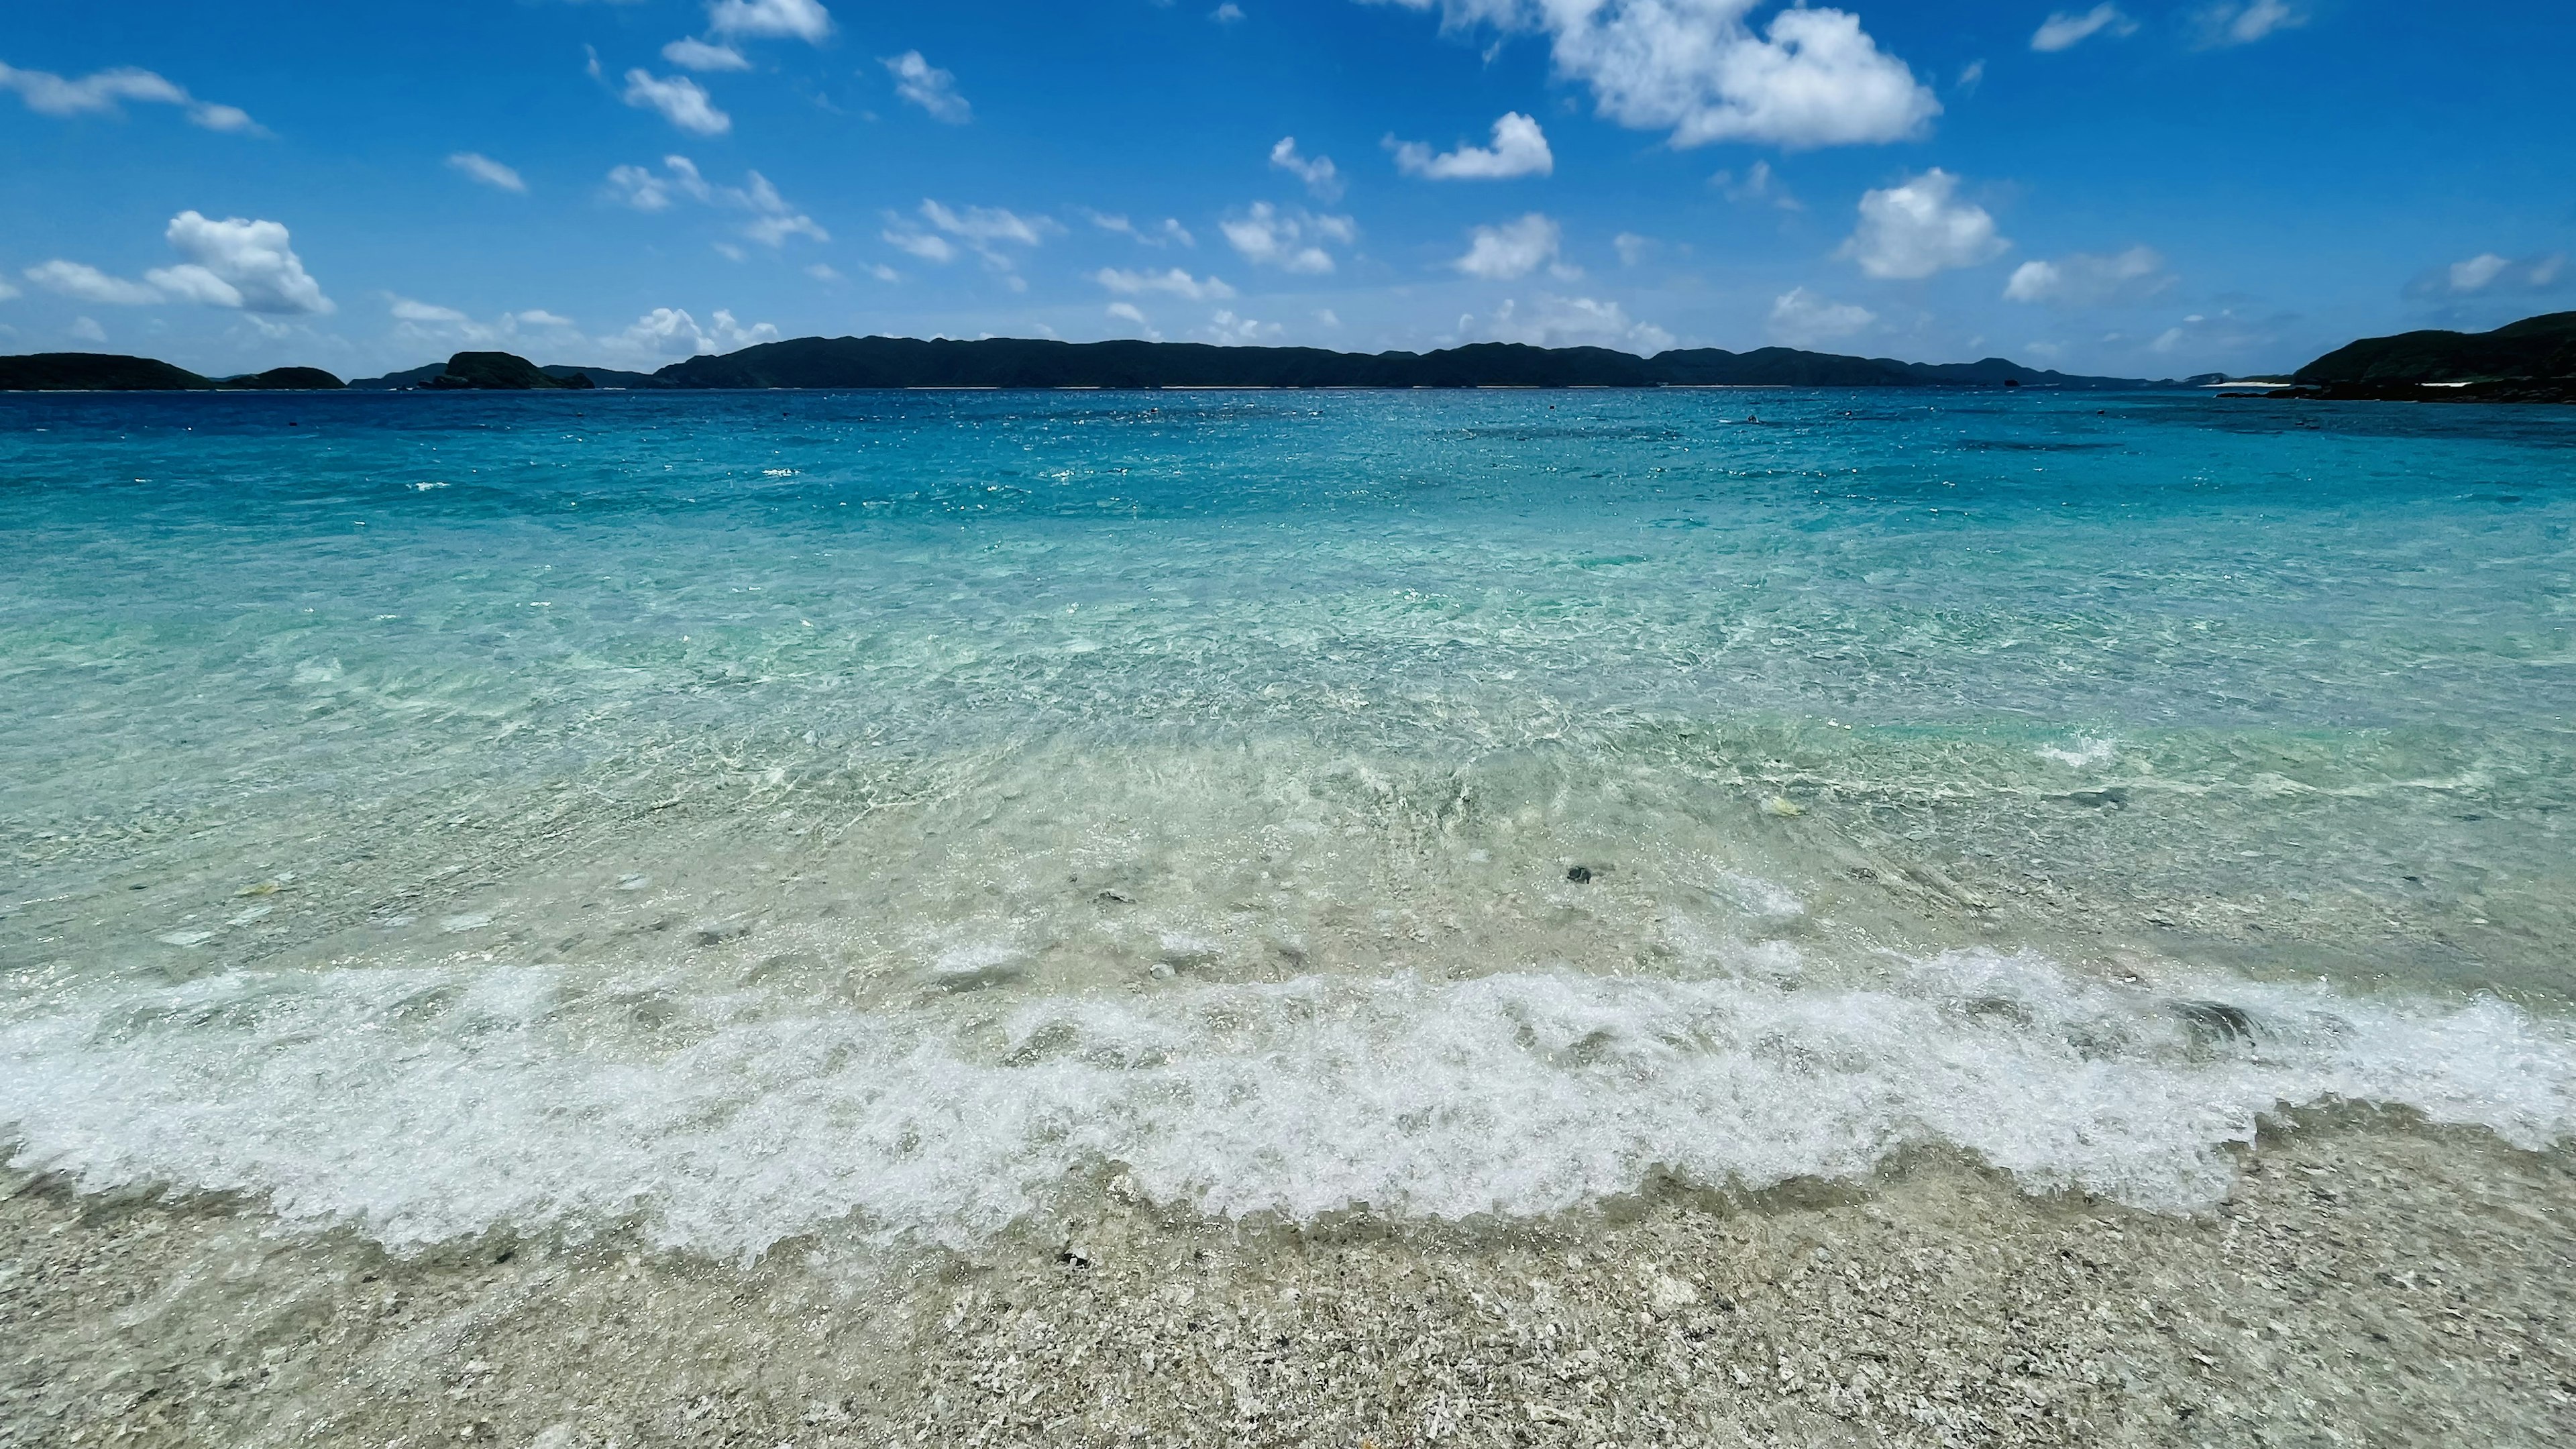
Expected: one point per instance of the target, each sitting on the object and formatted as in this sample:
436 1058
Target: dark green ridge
2531 349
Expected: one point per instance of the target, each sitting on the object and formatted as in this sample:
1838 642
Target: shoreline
2367 1278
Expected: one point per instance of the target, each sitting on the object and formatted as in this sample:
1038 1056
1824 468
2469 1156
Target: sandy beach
2367 1282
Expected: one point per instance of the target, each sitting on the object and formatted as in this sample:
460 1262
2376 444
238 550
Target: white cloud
424 325
985 230
691 53
2488 273
2242 22
99 92
1519 149
669 333
1800 318
1514 249
1323 180
1813 78
683 102
823 272
921 244
6 291
1570 322
1633 248
88 284
1289 240
1227 328
1760 185
1328 317
1133 315
87 329
488 171
804 20
1972 75
1175 281
1920 227
773 219
238 263
2085 280
929 87
1169 231
2064 31
884 273
1228 13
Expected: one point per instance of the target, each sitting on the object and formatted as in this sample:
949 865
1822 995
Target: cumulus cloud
1519 149
1134 316
2086 280
238 263
1569 322
1813 77
484 169
1228 329
87 329
1633 248
1800 318
1165 233
86 283
804 20
1323 180
1175 281
929 87
99 92
1289 240
1228 13
1921 227
2490 274
667 334
772 220
1515 249
2242 22
683 102
2064 31
691 53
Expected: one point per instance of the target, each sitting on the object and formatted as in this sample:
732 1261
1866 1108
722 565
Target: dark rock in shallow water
94 372
500 372
1580 875
2216 1021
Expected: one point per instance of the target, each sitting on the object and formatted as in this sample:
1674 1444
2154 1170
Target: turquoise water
742 815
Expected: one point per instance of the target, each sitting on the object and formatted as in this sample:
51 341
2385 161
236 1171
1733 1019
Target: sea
729 819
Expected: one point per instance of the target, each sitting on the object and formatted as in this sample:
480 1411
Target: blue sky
2136 188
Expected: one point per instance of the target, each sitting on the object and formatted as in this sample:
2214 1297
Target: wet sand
2368 1281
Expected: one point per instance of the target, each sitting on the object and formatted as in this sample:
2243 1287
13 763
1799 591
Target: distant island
2530 361
1004 362
108 372
2533 360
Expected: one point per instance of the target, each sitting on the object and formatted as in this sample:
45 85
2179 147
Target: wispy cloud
772 220
929 87
682 102
1323 179
99 93
804 20
2065 31
1175 281
484 169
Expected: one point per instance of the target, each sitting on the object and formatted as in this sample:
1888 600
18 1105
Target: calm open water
733 815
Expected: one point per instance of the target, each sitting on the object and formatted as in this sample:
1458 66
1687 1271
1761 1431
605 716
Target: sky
2134 188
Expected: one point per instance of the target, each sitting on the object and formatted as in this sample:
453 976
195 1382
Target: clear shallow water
743 815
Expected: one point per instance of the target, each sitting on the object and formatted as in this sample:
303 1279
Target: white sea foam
2087 753
426 1104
